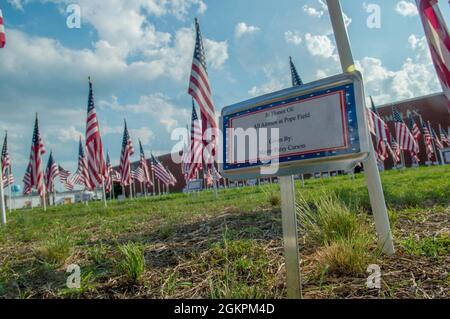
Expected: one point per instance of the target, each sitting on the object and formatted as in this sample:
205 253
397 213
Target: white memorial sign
308 129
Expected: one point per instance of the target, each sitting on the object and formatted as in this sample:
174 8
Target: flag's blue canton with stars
397 116
296 80
199 53
125 158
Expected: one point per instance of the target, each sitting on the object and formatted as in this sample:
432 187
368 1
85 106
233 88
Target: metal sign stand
374 185
290 237
2 195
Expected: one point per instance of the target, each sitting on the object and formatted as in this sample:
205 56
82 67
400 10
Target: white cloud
319 45
272 86
144 134
416 77
242 29
406 8
69 134
217 53
158 106
313 12
277 79
293 37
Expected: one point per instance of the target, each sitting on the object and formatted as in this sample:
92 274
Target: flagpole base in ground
2 200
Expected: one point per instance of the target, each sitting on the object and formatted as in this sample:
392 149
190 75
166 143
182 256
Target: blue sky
139 53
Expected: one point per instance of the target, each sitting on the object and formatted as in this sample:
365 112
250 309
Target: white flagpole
44 200
374 185
10 191
2 195
104 192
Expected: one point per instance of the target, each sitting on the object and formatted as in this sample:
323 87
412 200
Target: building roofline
410 100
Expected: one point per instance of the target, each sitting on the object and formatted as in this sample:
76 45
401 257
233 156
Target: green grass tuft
133 262
56 251
429 247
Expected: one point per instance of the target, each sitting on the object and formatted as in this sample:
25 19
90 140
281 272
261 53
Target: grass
344 239
56 251
430 247
200 247
132 262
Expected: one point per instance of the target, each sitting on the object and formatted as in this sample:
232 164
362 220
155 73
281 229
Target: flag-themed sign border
357 145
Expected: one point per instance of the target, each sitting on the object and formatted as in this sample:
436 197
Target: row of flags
92 171
407 136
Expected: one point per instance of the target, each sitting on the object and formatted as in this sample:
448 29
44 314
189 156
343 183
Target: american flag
394 149
143 165
138 174
405 138
438 41
444 137
8 178
196 147
435 138
116 178
64 178
415 129
428 142
160 172
296 80
125 158
94 146
36 178
109 172
380 130
173 180
2 31
209 181
50 174
216 174
200 90
81 177
28 181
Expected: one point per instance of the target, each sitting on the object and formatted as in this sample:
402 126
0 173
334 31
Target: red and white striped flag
435 138
8 177
81 177
196 146
143 166
125 158
2 31
438 40
50 174
160 172
109 175
36 176
200 90
380 130
428 142
394 149
28 181
444 138
94 147
64 178
405 139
